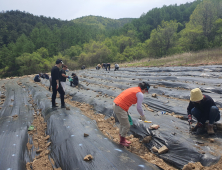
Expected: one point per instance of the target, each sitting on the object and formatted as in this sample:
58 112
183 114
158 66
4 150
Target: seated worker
83 67
37 78
122 103
116 67
203 108
75 80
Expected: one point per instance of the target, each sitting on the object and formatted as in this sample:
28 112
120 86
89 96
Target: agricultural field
62 138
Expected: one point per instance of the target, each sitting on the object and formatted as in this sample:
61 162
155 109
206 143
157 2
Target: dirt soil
198 166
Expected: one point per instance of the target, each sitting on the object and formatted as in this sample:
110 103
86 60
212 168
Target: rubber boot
210 129
123 141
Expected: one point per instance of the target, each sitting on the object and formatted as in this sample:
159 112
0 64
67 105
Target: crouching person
37 78
203 108
121 105
75 80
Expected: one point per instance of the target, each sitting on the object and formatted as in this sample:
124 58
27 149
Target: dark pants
214 114
54 93
37 80
50 83
108 66
73 83
116 68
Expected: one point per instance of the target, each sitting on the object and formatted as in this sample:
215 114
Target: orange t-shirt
127 98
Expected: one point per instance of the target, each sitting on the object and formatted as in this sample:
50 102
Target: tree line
158 33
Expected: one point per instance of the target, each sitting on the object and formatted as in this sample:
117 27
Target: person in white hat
203 108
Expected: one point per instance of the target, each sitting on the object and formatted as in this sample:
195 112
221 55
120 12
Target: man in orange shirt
122 104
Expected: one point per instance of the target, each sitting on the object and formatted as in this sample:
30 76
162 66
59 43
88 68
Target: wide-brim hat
196 95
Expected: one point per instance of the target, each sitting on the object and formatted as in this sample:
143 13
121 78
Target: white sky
71 9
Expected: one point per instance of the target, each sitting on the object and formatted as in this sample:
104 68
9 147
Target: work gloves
190 119
143 118
68 77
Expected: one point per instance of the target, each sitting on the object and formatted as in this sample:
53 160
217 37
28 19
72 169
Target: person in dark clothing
203 108
37 78
83 67
105 66
56 86
45 76
63 77
108 66
75 80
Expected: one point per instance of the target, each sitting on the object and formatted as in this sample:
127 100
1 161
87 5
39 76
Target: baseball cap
58 61
146 85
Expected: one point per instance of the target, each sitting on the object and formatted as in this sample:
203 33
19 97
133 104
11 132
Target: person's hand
68 77
190 119
143 118
57 86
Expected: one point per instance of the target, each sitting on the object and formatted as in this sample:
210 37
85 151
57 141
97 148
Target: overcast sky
71 9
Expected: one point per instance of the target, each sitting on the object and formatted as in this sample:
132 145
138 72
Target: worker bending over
116 67
122 104
203 108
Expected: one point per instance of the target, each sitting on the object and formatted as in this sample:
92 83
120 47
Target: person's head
64 67
59 62
40 74
73 74
144 87
196 95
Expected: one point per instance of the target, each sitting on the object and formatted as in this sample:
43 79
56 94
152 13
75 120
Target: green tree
162 39
204 15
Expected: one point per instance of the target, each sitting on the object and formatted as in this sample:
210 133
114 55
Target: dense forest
31 44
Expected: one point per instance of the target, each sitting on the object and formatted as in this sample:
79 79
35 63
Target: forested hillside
27 40
15 23
103 23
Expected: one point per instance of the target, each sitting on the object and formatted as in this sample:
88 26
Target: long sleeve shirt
139 96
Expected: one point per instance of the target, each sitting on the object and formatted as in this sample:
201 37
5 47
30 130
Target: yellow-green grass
204 57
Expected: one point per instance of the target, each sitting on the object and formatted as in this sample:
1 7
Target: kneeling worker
37 78
122 104
75 80
203 108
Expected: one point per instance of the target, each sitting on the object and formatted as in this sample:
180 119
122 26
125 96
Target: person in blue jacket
203 108
37 78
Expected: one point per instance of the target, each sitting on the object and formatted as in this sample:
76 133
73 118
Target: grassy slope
204 57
